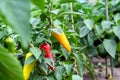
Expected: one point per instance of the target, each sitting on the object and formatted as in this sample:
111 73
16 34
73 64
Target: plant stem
72 18
107 18
111 64
106 10
106 68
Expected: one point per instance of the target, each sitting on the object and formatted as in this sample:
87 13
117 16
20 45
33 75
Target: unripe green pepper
9 44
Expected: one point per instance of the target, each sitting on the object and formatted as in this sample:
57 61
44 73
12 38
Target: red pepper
50 55
45 47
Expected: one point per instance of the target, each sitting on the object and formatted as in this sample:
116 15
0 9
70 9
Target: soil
100 70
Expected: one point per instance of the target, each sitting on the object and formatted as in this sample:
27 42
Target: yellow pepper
27 69
62 39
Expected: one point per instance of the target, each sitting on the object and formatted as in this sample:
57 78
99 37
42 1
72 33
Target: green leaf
117 18
90 38
17 14
1 34
91 51
3 77
114 2
57 30
54 51
36 52
98 30
89 23
84 31
79 61
50 78
68 68
43 68
118 47
117 31
9 65
67 1
110 47
64 52
59 72
106 24
46 78
76 77
30 60
40 4
48 61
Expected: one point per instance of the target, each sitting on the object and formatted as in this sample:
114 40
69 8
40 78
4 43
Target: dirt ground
100 70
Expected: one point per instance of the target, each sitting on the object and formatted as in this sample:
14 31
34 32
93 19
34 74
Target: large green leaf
110 47
68 68
84 31
30 60
36 52
90 51
89 23
90 38
17 13
9 65
3 77
98 29
117 18
117 31
40 4
59 72
1 34
106 24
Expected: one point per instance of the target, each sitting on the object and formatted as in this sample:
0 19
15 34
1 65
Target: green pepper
9 44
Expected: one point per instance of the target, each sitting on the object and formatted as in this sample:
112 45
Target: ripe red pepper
45 47
50 55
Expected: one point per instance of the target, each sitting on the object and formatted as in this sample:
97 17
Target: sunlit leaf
40 4
84 31
117 31
89 23
59 72
36 52
110 47
68 68
106 24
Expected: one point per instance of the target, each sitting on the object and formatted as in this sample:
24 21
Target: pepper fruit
45 47
27 69
61 38
50 55
9 44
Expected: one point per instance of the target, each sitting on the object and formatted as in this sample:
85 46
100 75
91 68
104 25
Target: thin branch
107 18
106 9
72 18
